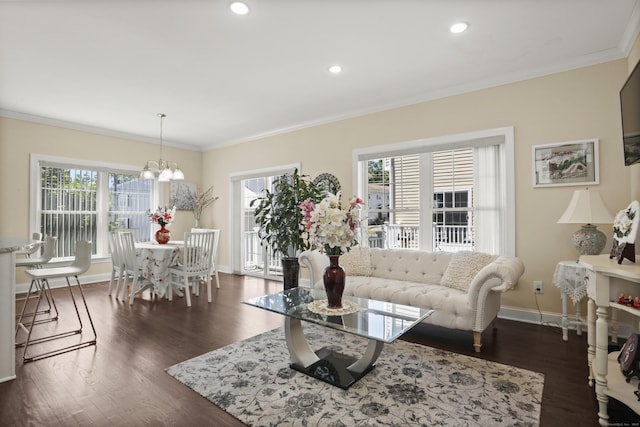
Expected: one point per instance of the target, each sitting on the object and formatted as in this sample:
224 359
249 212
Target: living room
573 104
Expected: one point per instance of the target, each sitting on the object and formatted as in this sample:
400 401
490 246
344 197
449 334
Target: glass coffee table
378 321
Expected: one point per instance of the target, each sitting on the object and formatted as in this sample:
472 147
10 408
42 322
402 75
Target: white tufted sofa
463 288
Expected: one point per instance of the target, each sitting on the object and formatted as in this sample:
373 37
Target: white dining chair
80 265
117 264
196 263
214 257
132 270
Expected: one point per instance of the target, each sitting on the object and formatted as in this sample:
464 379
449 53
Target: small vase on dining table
163 235
333 279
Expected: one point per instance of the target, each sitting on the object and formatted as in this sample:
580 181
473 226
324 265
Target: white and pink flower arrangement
330 226
625 224
162 216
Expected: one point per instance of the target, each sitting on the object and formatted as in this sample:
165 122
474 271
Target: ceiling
109 66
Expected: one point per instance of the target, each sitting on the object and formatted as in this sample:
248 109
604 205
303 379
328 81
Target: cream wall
19 139
568 106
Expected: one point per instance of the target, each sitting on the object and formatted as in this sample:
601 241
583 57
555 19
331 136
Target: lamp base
589 240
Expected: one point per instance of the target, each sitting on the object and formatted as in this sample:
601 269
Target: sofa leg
477 341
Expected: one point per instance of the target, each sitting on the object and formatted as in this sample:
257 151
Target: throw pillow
463 267
356 262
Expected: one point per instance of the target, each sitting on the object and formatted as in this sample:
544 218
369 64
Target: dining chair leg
187 291
112 282
208 288
125 285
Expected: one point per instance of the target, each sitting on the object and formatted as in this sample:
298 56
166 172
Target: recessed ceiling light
239 8
335 69
459 27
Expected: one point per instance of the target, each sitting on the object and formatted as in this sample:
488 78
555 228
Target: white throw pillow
356 262
463 267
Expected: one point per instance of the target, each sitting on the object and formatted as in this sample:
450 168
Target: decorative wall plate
327 182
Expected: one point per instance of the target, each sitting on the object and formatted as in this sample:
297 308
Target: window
249 256
453 193
129 200
77 200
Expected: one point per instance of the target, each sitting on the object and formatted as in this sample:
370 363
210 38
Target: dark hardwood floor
121 381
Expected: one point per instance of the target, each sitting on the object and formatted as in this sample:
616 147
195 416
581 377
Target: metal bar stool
80 265
31 262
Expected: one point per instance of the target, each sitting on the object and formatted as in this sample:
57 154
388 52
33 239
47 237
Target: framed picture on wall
566 163
182 195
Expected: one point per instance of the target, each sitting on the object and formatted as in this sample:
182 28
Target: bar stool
32 247
80 265
31 262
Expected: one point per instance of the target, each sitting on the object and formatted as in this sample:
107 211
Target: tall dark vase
163 235
290 272
334 282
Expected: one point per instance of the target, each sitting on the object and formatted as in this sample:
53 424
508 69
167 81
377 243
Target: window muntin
129 200
77 200
491 191
69 208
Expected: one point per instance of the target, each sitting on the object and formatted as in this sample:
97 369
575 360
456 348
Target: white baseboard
555 319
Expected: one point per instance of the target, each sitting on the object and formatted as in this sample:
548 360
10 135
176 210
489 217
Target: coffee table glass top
378 320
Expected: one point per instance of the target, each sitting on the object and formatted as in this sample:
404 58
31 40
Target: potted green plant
279 218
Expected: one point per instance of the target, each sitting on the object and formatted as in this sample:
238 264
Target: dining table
155 260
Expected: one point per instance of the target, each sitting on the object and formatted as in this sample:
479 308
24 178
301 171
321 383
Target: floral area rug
410 385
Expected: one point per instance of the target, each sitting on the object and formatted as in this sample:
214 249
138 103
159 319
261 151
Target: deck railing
448 238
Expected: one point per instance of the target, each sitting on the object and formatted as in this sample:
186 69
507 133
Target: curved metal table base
327 365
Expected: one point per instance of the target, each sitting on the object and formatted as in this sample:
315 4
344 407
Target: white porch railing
449 238
254 255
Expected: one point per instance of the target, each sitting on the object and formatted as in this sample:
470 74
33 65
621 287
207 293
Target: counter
8 248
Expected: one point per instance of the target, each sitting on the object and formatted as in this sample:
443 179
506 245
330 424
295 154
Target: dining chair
35 288
132 269
214 257
79 266
196 263
117 264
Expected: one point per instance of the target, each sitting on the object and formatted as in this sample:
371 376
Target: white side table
570 278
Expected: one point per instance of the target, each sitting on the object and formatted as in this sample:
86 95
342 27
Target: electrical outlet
537 286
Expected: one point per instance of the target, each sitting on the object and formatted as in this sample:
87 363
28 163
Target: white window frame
503 136
39 160
236 206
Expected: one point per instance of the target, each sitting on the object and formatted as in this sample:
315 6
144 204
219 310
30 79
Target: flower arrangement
623 222
162 216
330 226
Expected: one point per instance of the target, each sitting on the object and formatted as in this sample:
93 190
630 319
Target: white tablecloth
571 279
155 260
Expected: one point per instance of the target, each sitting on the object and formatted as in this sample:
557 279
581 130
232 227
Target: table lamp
586 207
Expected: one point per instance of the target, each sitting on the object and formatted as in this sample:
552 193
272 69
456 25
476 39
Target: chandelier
166 170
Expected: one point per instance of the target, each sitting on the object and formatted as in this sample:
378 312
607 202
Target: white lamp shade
586 207
146 173
165 175
177 175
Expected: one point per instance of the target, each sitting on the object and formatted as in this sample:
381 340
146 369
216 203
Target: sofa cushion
356 262
463 267
409 265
